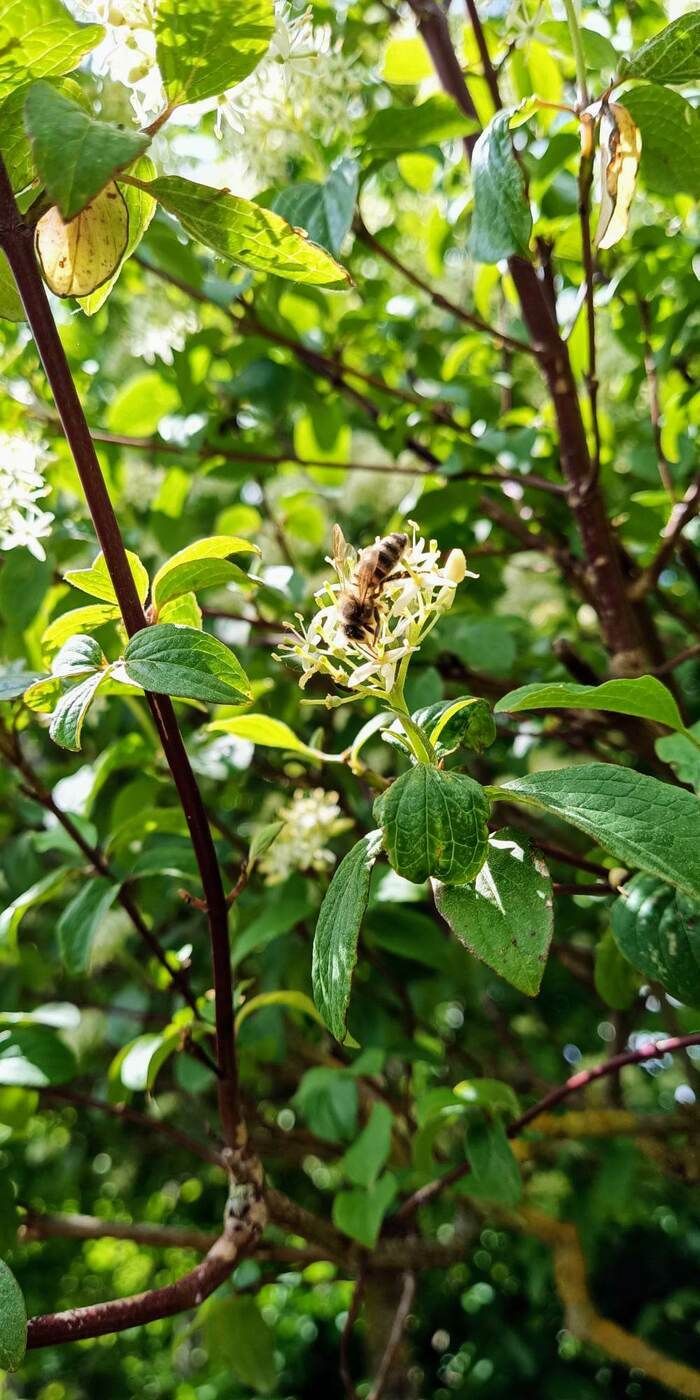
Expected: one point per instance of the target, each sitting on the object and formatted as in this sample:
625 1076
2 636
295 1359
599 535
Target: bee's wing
342 551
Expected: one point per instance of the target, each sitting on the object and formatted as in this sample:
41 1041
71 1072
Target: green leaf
181 661
140 208
39 38
241 1341
645 697
67 720
139 404
80 922
298 1001
506 917
452 724
97 582
672 56
78 655
165 855
32 1056
642 822
616 981
658 931
11 308
13 1321
207 46
261 841
491 1094
138 1064
14 681
670 129
360 1213
363 1161
599 53
69 624
39 893
495 1173
324 210
502 221
337 932
274 920
78 256
434 824
400 128
327 1100
683 753
200 565
269 733
75 155
246 233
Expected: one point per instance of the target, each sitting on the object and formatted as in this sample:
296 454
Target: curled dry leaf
78 256
621 149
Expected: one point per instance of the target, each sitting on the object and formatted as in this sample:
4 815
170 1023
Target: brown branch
408 1293
353 1313
37 1225
682 513
688 654
650 1050
620 626
100 1319
126 1114
437 298
16 242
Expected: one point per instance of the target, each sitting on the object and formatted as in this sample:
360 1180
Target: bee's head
354 632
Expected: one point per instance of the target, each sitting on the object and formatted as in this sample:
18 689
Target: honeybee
358 603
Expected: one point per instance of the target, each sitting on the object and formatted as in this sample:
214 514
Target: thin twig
682 513
650 1050
353 1313
408 1293
654 398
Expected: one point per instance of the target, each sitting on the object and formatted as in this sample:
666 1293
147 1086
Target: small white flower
310 820
22 522
411 601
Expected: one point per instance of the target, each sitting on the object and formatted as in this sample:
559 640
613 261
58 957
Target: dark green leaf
324 210
396 129
238 1338
327 1100
672 56
360 1213
78 655
33 1056
658 930
641 821
502 221
452 724
337 932
645 697
670 130
75 155
13 1321
434 824
182 661
495 1173
616 981
245 232
683 754
207 46
80 922
506 917
363 1161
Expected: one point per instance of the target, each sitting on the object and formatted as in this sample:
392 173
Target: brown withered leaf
78 256
621 149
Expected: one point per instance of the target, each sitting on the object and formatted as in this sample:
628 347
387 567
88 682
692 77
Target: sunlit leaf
77 257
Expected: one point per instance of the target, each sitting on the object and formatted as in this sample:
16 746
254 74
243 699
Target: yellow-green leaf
77 257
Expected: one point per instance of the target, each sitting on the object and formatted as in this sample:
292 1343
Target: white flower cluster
22 522
157 330
310 820
411 601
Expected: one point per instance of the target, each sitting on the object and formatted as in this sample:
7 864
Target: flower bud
455 567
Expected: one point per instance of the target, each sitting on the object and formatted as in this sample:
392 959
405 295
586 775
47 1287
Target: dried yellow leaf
78 256
621 148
